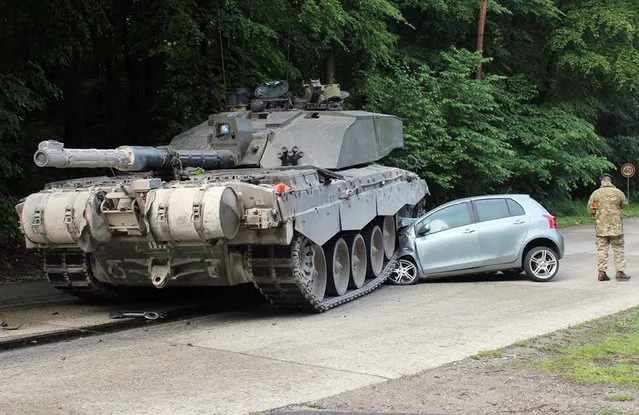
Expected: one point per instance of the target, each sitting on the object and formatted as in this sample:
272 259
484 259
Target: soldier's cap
604 175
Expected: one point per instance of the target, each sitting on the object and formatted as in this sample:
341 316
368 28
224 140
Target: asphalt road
258 359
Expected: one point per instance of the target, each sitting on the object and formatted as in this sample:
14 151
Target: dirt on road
504 381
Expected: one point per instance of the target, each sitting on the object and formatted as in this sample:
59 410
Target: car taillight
551 221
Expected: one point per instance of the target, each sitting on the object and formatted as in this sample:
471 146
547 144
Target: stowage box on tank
279 193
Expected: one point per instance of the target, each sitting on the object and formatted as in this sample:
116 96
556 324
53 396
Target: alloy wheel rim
543 264
404 272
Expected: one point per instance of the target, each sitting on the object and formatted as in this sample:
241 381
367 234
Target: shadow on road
483 277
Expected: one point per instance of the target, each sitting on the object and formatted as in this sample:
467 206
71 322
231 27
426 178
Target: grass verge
575 212
620 397
607 353
488 354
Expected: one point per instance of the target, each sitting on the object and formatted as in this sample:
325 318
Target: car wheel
541 264
404 273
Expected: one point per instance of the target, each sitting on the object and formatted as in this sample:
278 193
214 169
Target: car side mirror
423 229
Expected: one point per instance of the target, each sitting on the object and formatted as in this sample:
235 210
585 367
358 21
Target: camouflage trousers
603 244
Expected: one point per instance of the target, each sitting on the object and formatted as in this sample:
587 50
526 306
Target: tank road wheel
339 269
375 250
388 231
312 267
357 249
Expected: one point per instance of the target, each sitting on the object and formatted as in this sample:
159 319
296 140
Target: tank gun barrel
130 158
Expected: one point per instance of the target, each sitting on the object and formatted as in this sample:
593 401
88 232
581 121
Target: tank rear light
281 188
552 221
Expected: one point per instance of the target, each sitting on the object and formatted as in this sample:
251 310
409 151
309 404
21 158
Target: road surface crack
275 359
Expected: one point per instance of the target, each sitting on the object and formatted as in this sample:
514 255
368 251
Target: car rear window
531 204
491 209
515 208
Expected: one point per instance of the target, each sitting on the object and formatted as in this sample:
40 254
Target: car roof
520 197
516 196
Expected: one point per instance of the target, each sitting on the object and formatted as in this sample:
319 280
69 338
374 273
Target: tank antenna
288 51
219 29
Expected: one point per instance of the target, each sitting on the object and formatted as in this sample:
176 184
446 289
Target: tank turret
280 192
274 133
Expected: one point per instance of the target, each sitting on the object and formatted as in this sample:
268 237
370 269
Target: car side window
515 208
492 209
448 218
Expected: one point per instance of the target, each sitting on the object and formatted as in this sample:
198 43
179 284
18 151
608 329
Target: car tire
404 273
541 264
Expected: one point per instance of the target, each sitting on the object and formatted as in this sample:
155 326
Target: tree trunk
330 66
480 34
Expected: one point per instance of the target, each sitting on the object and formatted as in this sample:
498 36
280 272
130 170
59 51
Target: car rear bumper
558 237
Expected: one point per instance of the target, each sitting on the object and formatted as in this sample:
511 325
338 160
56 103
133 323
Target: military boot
622 276
603 276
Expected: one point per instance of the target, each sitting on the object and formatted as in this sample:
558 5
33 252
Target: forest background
555 107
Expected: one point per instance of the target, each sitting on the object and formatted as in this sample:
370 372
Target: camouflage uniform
606 204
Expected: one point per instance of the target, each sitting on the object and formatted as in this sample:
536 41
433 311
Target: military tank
281 193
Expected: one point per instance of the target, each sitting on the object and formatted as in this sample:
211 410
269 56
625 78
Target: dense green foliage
473 135
556 106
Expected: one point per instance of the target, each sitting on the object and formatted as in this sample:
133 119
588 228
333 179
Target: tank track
273 268
275 273
69 271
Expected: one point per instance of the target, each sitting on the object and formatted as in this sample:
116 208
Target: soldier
606 204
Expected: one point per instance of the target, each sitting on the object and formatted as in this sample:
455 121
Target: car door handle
519 222
469 231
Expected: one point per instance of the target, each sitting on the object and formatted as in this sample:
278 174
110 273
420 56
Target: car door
451 243
502 226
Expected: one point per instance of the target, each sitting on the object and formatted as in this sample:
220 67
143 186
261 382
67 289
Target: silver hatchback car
508 233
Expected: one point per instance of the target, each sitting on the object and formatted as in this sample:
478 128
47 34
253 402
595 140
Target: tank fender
398 195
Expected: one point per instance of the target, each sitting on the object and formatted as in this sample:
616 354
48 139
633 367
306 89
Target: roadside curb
70 334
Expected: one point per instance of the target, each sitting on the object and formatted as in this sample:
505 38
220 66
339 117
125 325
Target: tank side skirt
322 211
